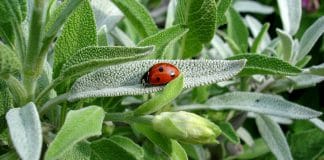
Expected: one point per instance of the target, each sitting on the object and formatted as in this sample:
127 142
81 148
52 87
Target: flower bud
186 127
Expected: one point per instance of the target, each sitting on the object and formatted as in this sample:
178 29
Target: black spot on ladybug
158 79
172 74
257 100
161 69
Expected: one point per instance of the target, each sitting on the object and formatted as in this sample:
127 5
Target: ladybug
160 74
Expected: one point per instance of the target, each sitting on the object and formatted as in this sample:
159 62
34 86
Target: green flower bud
186 127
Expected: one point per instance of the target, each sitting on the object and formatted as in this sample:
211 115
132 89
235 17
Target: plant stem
17 90
47 89
52 103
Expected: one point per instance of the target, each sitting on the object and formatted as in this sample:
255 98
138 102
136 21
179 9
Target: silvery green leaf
316 70
290 13
222 48
252 7
259 39
25 131
274 137
318 122
106 13
286 45
305 80
171 13
255 27
311 35
280 120
122 37
260 103
125 79
245 136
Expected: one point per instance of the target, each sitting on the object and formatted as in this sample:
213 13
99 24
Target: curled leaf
125 79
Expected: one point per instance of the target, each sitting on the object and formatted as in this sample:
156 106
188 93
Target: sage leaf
79 31
78 125
79 151
257 43
255 27
261 64
305 80
178 153
237 30
138 15
93 57
163 38
309 38
318 123
106 13
200 18
221 8
286 45
6 100
290 13
252 7
317 70
125 79
261 103
12 11
129 146
229 132
169 93
102 36
25 131
9 62
274 137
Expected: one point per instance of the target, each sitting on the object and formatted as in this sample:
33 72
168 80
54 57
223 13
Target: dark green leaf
222 7
12 10
229 132
260 64
6 100
9 62
79 151
129 146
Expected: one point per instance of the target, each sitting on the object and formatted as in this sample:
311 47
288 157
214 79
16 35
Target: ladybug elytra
160 74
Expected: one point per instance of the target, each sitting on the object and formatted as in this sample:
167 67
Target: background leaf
274 137
221 9
200 17
229 132
78 125
129 146
106 13
286 45
79 151
25 131
290 13
252 7
259 39
178 153
9 62
125 79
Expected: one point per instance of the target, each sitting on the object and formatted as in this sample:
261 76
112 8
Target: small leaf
167 95
25 131
261 103
237 30
93 57
290 13
259 39
229 132
106 149
164 38
286 47
221 8
317 70
102 36
178 153
79 151
125 79
78 32
309 38
106 14
255 27
252 7
274 137
260 64
129 146
138 15
78 125
200 17
9 62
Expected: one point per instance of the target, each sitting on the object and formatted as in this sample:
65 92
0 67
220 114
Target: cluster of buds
186 127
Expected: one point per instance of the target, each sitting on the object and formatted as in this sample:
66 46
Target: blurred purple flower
311 5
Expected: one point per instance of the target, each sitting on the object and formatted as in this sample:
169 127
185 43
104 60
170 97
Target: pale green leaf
178 153
290 13
79 31
162 39
286 45
221 8
200 18
303 62
305 80
195 151
255 27
245 136
237 30
91 58
121 37
78 125
317 70
170 18
169 93
125 79
25 131
256 46
138 15
274 137
260 64
311 35
9 62
252 7
79 151
318 123
129 146
106 13
229 132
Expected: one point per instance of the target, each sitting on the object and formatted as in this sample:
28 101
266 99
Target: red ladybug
160 74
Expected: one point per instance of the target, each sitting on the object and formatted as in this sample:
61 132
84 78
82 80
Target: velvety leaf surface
25 131
317 70
12 10
79 31
260 64
252 7
78 125
106 13
79 151
9 61
286 45
290 13
125 79
6 100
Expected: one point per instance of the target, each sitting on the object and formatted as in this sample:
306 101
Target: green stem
47 89
17 90
53 103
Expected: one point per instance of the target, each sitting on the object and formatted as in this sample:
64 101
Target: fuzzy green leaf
261 103
138 15
164 38
286 45
229 132
317 70
102 36
91 58
78 125
125 79
259 38
6 100
129 146
309 38
25 131
169 93
9 62
237 30
107 14
260 64
274 137
78 32
290 13
178 153
252 7
200 17
12 10
79 151
222 7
